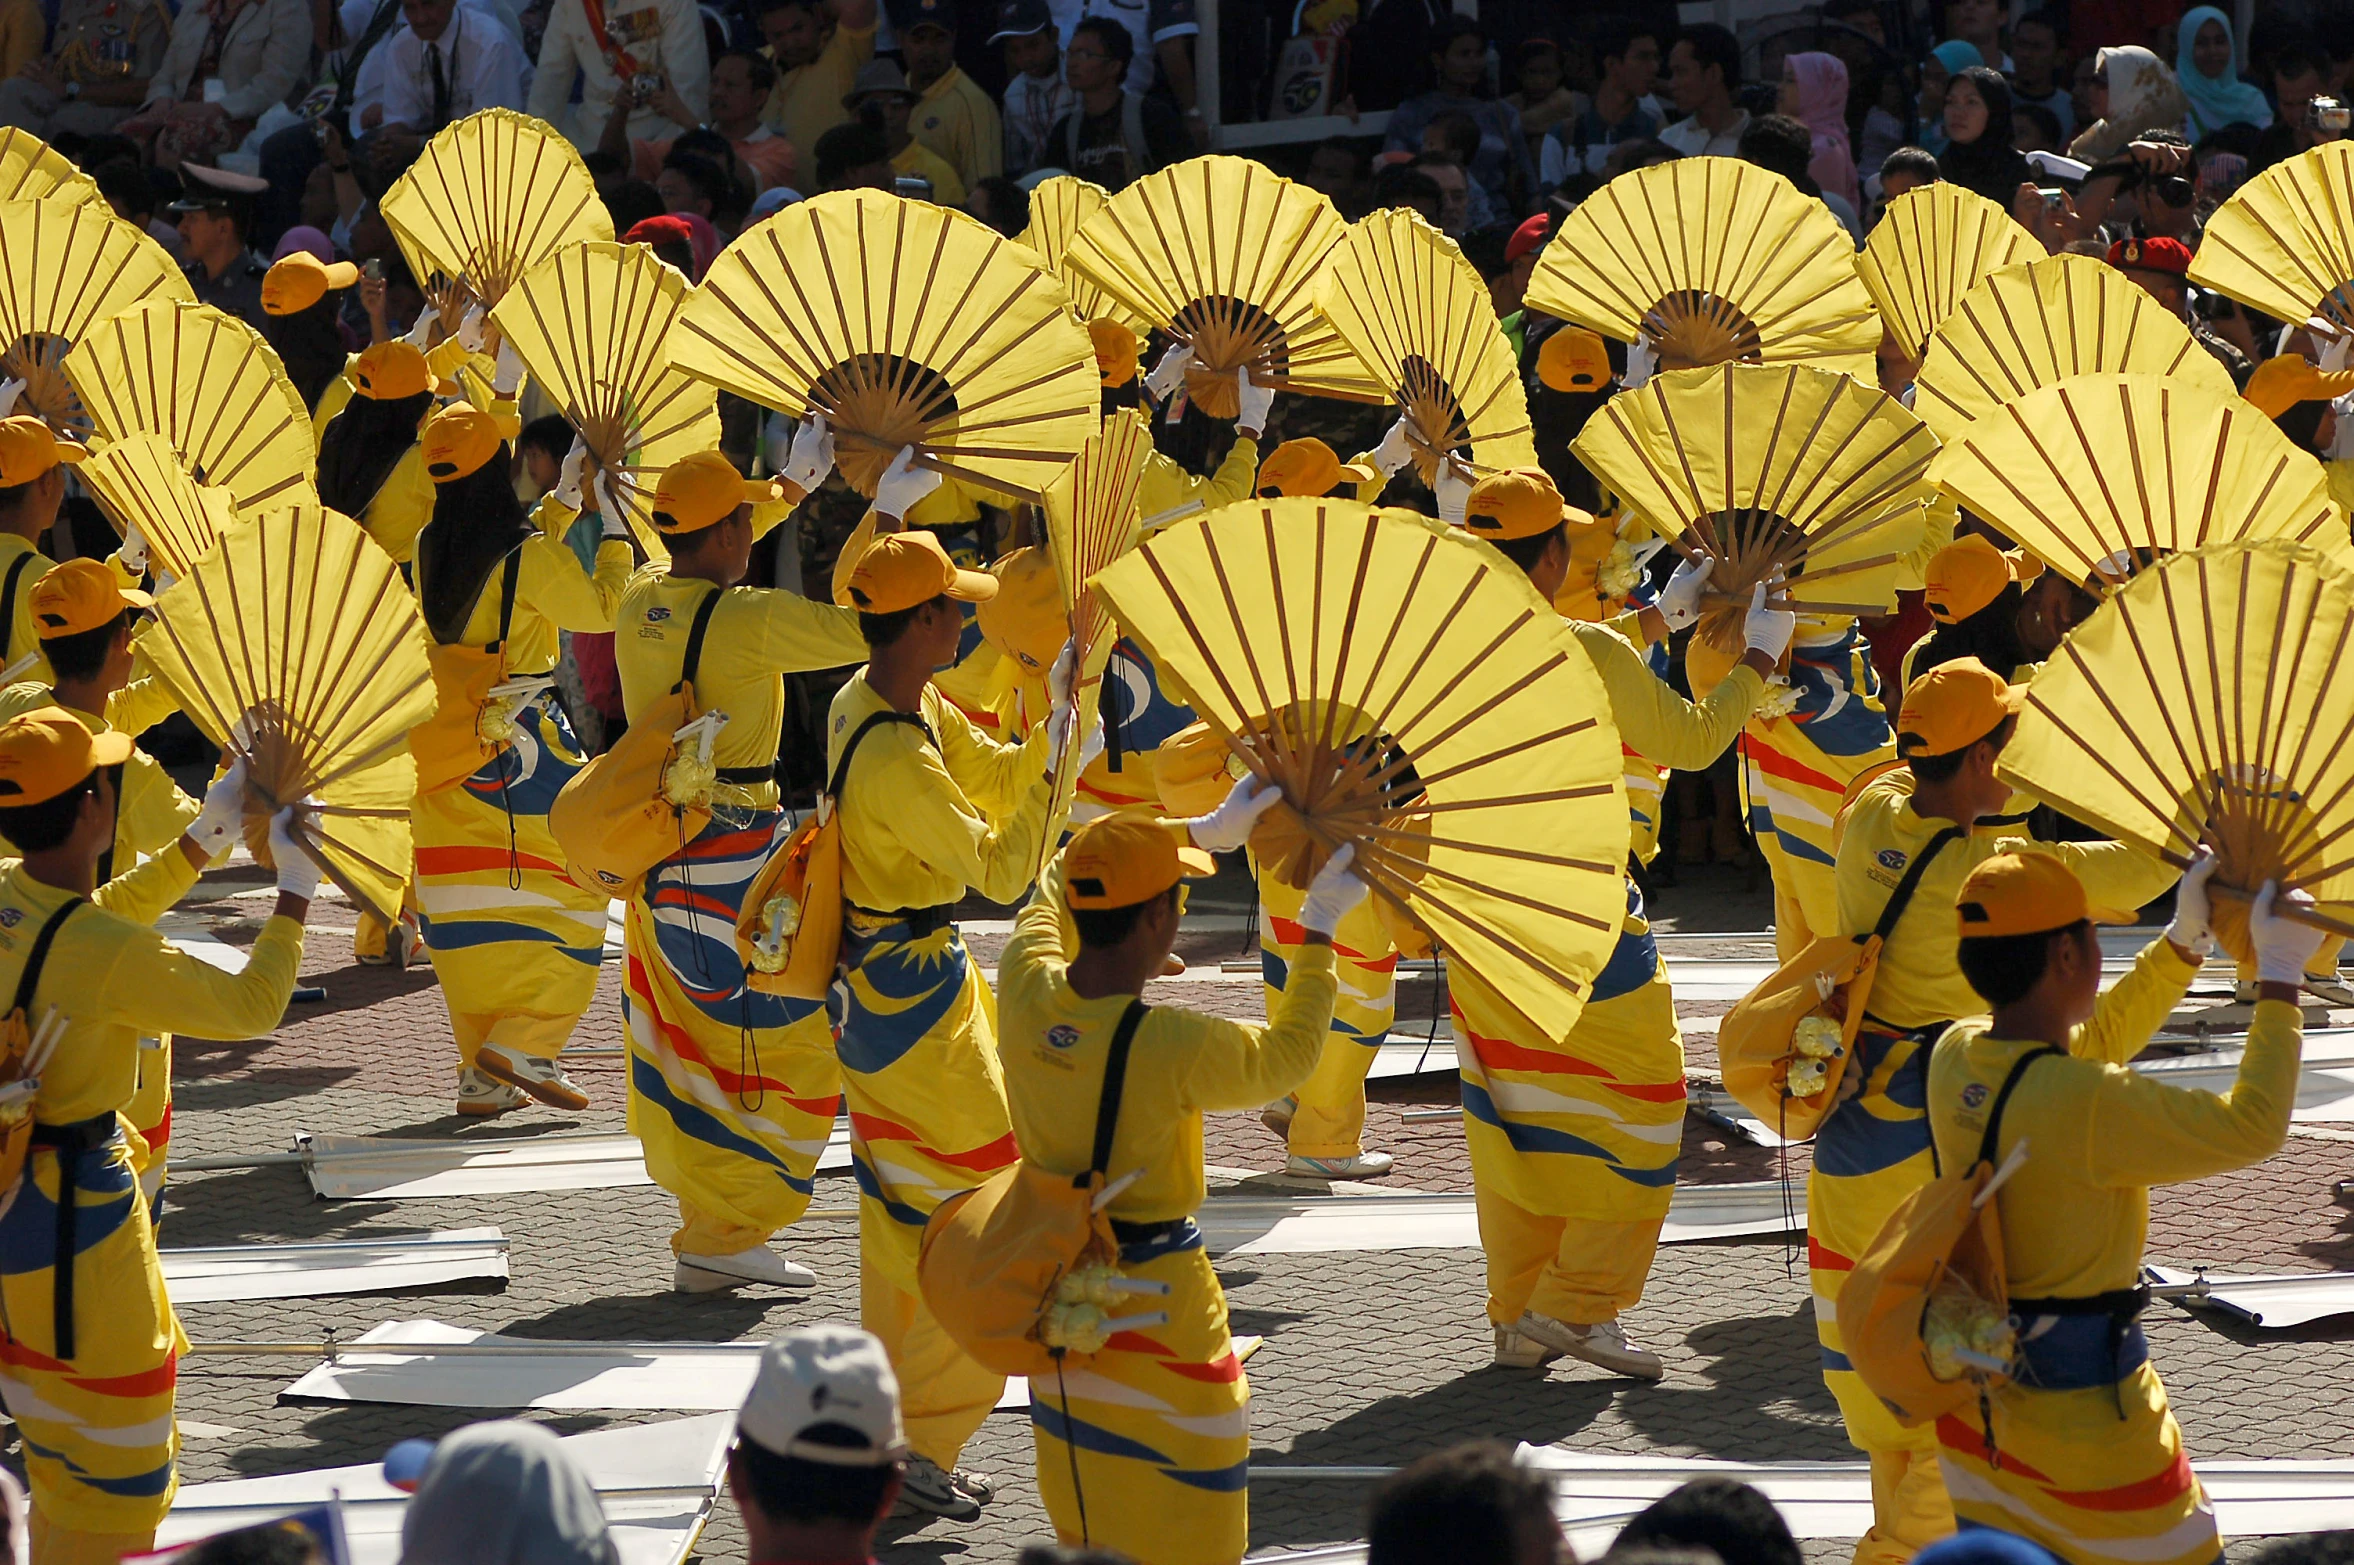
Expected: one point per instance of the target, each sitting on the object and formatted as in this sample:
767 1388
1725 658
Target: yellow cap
1964 577
298 281
28 449
1308 467
1123 859
458 440
1574 359
391 371
1952 707
47 750
900 570
80 595
1519 503
1116 350
703 490
1025 620
1192 771
2025 894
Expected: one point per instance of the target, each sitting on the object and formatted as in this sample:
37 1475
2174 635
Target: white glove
298 876
507 379
1679 600
1256 401
132 555
1453 487
2189 927
1062 676
1166 374
2283 945
420 333
903 484
1091 745
1396 448
567 491
1229 825
470 329
811 455
1332 894
612 520
10 390
223 812
1642 360
1767 630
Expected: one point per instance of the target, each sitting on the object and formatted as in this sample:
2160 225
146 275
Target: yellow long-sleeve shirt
24 637
552 593
1182 1064
1920 981
151 812
1166 484
404 501
924 820
2099 1134
1653 720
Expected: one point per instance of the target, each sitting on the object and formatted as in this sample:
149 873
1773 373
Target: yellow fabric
1166 485
552 593
23 635
144 702
1910 1508
807 99
1653 720
1328 1109
54 1545
1576 1269
921 161
957 120
943 1394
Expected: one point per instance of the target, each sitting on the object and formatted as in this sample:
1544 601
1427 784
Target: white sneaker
2330 991
711 1273
479 1097
543 1079
928 1490
1514 1351
1276 1116
1604 1343
1365 1165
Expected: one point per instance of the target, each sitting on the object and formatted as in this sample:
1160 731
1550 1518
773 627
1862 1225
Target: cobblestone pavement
1369 1359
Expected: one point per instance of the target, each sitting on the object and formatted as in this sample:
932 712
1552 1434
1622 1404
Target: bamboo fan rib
2050 320
1416 699
32 170
297 645
1770 469
1711 261
2098 474
64 267
491 197
592 324
906 324
140 483
2284 242
210 385
2210 700
1421 319
1934 245
1058 207
1225 256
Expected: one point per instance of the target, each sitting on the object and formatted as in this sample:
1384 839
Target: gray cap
825 1394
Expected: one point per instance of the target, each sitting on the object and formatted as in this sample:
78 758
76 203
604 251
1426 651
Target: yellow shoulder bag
449 745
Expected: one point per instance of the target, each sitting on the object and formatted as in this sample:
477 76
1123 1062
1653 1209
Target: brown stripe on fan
38 359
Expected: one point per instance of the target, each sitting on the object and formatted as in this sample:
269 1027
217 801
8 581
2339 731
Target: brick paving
1369 1359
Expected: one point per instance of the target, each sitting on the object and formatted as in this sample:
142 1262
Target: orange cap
702 490
1964 577
298 281
1308 467
1025 620
1122 859
1952 707
48 750
1116 351
1518 503
458 440
900 570
2025 894
391 371
1574 359
80 595
28 448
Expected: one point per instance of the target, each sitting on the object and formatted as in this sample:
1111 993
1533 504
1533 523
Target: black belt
69 1142
1145 1233
747 776
920 921
2122 1306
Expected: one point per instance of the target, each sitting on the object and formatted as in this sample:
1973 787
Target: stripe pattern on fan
1934 245
491 197
1412 698
1057 209
2284 242
140 483
64 266
32 170
2210 701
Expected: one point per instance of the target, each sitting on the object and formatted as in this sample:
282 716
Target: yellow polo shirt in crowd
806 101
955 118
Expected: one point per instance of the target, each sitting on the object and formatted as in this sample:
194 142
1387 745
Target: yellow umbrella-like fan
1711 261
1934 245
1421 319
1772 471
2050 320
2098 474
140 483
905 324
2284 242
64 267
1057 209
592 324
2208 702
207 383
491 197
1225 255
1413 696
296 645
32 170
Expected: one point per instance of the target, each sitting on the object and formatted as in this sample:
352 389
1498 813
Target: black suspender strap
67 1141
693 661
513 570
16 574
1912 882
114 775
1115 1078
874 720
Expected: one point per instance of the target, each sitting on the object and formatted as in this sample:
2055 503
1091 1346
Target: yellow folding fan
32 170
490 197
1058 206
64 267
1711 261
2284 242
1933 246
140 483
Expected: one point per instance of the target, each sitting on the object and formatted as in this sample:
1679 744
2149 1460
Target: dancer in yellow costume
930 810
85 617
733 1093
1573 1143
90 1350
515 940
2086 1458
1873 1149
32 488
1157 1425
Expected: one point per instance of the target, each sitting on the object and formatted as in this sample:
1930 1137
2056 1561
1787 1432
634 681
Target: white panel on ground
1310 1225
656 1483
194 936
2325 1083
383 1168
2273 1302
1402 1056
304 1271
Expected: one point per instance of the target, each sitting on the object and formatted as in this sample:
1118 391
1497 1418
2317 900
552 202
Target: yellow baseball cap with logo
1122 859
80 595
2025 894
1964 577
1025 619
703 490
1953 706
1308 467
900 570
457 441
28 448
47 750
1518 503
1574 359
296 282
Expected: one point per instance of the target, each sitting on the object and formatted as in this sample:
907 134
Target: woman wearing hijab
1945 62
2207 65
1978 154
1814 92
506 1493
2132 92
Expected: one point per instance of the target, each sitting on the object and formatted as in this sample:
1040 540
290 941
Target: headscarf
309 344
505 1493
2143 95
2215 101
1956 57
1990 165
1822 105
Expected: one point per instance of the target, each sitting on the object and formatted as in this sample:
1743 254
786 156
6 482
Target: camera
2328 116
645 86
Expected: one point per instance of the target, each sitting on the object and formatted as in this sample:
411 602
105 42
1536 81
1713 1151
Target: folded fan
490 197
1058 207
32 170
140 483
2284 242
1932 247
64 267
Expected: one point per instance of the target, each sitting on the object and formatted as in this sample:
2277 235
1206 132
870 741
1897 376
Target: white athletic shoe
1276 1116
1365 1165
543 1079
1604 1343
711 1273
1514 1351
933 1492
2329 991
479 1097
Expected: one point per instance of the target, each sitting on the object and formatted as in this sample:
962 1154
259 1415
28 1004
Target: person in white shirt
658 41
1036 96
1703 74
447 63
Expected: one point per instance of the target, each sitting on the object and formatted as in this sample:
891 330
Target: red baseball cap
1528 236
665 230
2170 256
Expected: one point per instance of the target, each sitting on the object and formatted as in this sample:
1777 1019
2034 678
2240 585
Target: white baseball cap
825 1394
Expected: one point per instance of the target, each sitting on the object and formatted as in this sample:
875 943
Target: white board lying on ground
1397 1056
656 1484
385 1168
1324 1225
2275 1302
304 1271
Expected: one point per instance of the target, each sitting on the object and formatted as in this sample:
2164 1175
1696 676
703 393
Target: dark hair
1062 1554
1118 43
272 1543
2003 968
1451 26
1009 204
1646 1554
1911 160
1940 768
1472 1505
711 179
36 828
2041 120
881 630
762 8
1722 1514
1458 133
124 181
1714 45
1781 144
1347 148
2290 59
547 433
855 144
603 165
1617 35
82 654
1525 552
1107 926
756 64
631 202
1402 184
1991 636
2051 18
14 495
795 1489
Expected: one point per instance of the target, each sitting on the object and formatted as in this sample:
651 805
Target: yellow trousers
54 1545
1806 898
943 1393
1910 1508
1575 1269
1328 1109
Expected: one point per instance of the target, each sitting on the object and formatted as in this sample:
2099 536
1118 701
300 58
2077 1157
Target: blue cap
404 1464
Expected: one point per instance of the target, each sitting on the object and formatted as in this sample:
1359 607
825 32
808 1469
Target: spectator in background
96 72
1337 168
2299 72
505 1493
652 45
226 64
952 115
817 47
1782 144
1002 204
447 63
1629 155
216 213
1728 1518
1814 92
1703 75
131 194
2035 69
2035 128
1403 184
1945 62
820 1451
1454 185
1978 23
1113 137
1036 96
1500 165
1622 108
2132 92
1978 154
741 82
694 183
853 157
1907 168
2160 267
2207 65
1472 1505
1861 15
1454 136
883 100
1539 96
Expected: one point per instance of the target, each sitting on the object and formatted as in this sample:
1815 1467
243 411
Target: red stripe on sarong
465 860
682 1043
984 1159
1219 1371
1290 933
1822 1258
